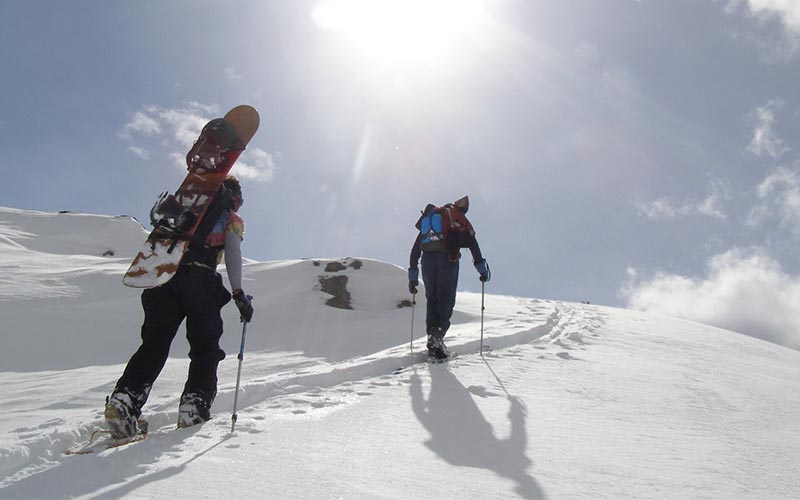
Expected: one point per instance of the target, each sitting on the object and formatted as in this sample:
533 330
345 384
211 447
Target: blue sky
628 153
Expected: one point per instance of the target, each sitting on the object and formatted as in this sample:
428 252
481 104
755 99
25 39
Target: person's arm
478 261
475 250
233 259
416 252
233 265
413 263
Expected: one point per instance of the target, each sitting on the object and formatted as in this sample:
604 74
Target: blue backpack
433 227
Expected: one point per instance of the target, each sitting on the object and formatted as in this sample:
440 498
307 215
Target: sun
402 33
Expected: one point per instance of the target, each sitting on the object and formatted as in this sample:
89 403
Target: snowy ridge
569 401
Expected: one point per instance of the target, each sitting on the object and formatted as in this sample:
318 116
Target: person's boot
121 416
193 410
436 348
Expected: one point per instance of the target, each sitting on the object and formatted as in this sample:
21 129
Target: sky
629 153
567 401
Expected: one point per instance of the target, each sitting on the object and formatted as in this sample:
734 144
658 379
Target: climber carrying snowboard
195 293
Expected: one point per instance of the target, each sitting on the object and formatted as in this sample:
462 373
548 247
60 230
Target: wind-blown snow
572 400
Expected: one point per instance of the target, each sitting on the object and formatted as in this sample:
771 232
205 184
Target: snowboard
176 218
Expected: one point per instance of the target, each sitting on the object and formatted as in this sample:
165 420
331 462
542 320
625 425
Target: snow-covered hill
572 400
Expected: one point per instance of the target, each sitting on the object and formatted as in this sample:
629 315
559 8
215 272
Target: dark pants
440 275
197 295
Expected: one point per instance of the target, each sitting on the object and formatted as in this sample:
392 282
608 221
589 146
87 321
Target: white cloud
711 206
175 130
765 141
779 196
744 290
172 124
184 124
141 123
787 11
256 164
140 152
232 74
784 12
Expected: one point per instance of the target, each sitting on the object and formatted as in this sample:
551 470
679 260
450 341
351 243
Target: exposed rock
336 286
334 267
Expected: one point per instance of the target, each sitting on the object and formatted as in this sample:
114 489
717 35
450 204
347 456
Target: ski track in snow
302 387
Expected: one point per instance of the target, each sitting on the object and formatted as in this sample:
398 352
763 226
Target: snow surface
572 400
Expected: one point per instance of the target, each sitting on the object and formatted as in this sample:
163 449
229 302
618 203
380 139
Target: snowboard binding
169 215
209 152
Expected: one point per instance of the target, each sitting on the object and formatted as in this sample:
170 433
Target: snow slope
572 400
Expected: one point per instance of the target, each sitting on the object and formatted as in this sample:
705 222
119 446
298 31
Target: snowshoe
437 350
121 416
193 410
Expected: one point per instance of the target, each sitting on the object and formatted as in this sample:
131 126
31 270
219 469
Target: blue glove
242 302
413 279
483 269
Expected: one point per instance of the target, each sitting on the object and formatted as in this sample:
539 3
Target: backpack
443 228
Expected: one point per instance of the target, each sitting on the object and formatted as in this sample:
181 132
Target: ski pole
238 377
413 306
483 286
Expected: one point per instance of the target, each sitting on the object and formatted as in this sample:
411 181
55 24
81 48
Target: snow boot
121 416
193 410
436 348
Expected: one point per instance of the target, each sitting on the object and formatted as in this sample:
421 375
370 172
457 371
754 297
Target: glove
243 303
413 279
483 269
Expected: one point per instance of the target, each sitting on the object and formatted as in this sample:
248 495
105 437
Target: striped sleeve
235 225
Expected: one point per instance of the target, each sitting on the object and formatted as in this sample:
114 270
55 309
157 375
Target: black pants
197 295
440 275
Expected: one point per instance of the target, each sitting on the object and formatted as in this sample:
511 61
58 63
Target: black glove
483 269
243 303
413 279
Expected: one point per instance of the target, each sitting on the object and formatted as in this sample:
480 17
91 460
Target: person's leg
430 267
446 290
203 297
162 317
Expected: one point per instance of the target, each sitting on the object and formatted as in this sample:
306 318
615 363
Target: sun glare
402 33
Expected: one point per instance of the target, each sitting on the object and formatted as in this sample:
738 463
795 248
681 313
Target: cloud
140 152
743 290
779 196
141 123
174 130
767 12
765 141
257 165
786 11
181 124
711 206
232 74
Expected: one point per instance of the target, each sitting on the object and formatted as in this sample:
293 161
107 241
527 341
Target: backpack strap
223 200
428 208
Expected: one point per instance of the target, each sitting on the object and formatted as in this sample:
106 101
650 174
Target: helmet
234 188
